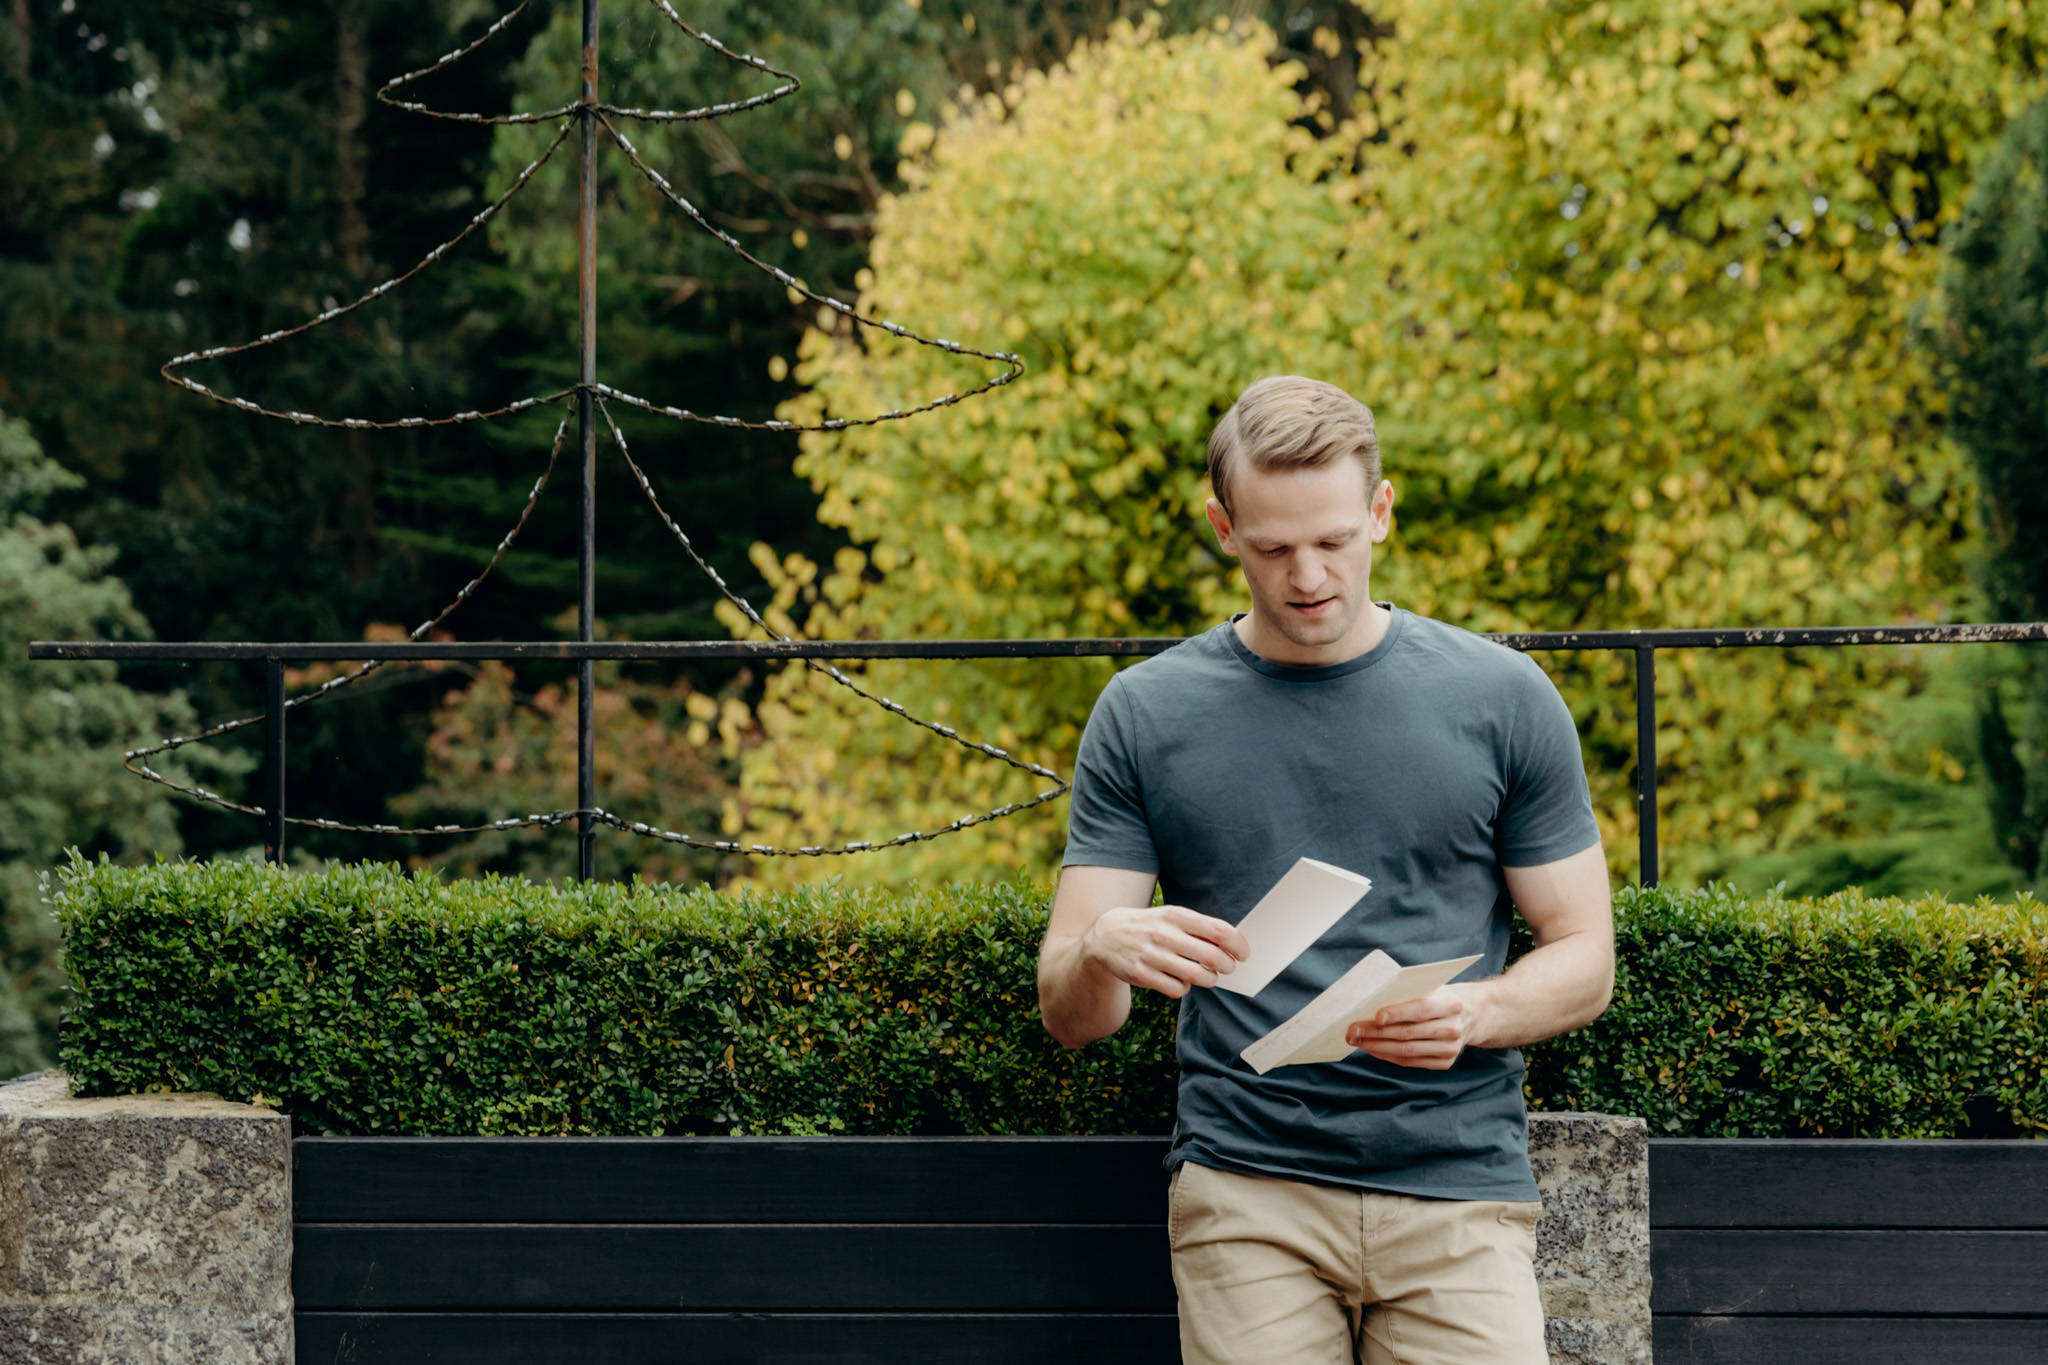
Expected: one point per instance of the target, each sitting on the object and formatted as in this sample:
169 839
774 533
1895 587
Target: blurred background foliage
1650 300
1632 288
1992 330
63 727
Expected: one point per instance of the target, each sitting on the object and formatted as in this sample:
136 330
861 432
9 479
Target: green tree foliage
1914 810
191 175
1147 226
497 749
199 175
1663 372
1994 334
686 322
1627 284
62 730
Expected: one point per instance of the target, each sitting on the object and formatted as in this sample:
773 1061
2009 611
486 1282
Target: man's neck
1271 645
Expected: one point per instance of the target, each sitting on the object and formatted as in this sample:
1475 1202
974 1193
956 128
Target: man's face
1305 538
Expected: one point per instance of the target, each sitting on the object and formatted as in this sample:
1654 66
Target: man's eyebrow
1341 533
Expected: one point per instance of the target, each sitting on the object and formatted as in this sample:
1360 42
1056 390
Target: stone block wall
142 1229
1593 1243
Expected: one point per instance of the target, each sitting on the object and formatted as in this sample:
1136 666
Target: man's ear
1219 522
1383 511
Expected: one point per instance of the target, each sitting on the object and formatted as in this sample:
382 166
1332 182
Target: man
1380 1208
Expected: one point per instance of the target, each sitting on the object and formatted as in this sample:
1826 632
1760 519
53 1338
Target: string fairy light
138 760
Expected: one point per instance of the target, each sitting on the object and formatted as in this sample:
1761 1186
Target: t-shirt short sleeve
1547 813
1106 824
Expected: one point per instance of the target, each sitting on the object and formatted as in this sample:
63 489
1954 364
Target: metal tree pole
586 431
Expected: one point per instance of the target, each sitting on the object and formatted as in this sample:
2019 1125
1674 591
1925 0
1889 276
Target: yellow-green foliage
1147 229
1627 285
1656 263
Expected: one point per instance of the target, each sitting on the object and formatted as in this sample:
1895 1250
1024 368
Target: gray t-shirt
1427 763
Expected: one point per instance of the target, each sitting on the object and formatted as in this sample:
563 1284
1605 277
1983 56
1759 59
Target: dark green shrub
1843 1016
362 1001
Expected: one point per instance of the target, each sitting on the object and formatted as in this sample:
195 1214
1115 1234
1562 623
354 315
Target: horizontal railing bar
446 651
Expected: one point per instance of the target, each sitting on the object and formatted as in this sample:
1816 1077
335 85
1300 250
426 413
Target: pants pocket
1521 1218
1523 1212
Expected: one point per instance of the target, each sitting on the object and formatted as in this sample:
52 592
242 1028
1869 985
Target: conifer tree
1994 335
62 729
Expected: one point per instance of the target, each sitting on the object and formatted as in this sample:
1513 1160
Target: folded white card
1302 905
1316 1032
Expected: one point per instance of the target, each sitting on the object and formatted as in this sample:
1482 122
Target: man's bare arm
1105 937
1561 984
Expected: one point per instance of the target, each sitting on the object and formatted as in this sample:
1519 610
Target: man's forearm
1551 990
1079 999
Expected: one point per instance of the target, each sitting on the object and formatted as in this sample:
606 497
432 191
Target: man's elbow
1605 994
1069 1033
1070 1039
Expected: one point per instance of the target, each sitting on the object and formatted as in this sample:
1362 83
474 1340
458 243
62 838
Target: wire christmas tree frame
587 401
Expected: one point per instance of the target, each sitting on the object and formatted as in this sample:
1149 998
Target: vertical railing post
1646 761
586 398
273 759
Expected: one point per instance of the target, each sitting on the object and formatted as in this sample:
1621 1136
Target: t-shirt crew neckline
1258 663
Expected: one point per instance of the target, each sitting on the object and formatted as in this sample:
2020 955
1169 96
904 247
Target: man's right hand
1105 936
1165 948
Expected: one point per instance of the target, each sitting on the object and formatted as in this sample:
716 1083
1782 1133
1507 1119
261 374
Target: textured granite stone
1593 1243
144 1335
145 1228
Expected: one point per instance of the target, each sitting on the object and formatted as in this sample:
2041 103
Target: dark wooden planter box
1820 1252
634 1251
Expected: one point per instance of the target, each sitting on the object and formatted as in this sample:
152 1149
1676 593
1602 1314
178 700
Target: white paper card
1302 905
1316 1032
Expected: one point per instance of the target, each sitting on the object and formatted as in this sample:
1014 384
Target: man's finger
1222 933
1159 981
1201 952
1436 1005
1179 943
1425 1030
1209 955
1430 1054
1183 965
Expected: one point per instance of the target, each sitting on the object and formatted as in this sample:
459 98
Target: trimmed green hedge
363 1001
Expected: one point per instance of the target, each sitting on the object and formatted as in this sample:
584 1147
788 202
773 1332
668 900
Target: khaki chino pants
1274 1272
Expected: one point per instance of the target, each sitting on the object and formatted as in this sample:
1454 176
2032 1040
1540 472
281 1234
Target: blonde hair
1288 422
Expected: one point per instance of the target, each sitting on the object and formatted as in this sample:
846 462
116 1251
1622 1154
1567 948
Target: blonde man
1378 1209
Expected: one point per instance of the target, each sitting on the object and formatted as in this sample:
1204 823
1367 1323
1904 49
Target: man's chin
1322 629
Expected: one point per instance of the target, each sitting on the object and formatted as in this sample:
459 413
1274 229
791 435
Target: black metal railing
1643 644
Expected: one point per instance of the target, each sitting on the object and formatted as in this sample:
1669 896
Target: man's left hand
1429 1032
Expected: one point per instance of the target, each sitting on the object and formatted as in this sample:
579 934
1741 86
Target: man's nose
1305 570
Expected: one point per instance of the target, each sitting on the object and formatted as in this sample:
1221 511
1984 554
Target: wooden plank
1749 1271
715 1339
1848 1341
729 1180
815 1268
1693 1182
1848 1183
